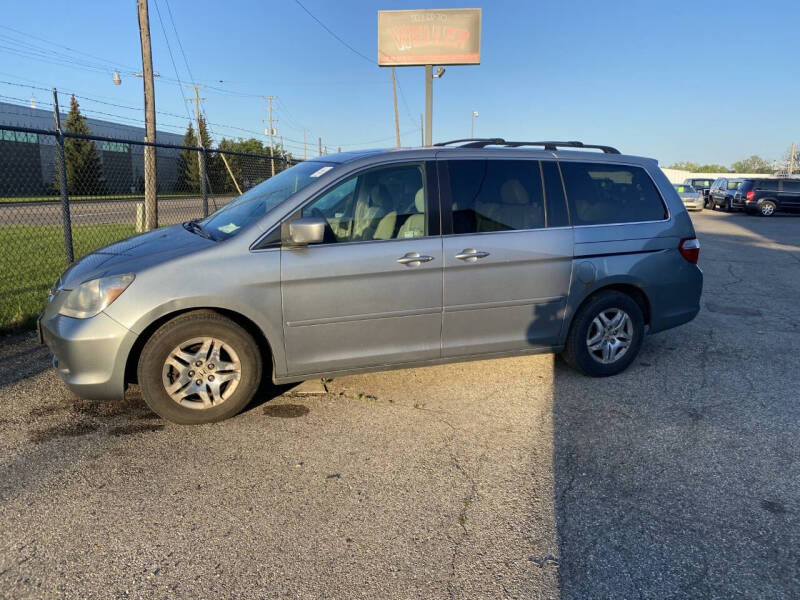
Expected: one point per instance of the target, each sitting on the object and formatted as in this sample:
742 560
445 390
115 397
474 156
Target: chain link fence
65 195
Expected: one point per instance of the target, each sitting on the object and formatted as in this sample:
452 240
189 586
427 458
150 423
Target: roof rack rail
475 142
552 146
555 145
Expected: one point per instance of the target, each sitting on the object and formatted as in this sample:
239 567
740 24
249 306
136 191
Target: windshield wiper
195 227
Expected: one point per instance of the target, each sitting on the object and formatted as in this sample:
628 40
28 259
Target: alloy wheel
610 335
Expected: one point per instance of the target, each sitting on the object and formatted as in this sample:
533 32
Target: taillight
690 249
750 195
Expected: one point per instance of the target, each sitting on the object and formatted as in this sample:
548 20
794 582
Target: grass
33 258
90 198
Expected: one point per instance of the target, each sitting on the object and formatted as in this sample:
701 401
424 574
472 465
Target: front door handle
414 259
471 255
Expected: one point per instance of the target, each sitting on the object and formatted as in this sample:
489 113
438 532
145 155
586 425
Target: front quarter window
248 208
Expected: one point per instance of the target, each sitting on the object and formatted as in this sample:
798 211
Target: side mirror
307 230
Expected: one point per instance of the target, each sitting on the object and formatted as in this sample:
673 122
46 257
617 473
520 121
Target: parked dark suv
702 185
765 196
722 191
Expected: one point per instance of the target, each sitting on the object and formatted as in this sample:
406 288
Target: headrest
379 196
513 192
419 200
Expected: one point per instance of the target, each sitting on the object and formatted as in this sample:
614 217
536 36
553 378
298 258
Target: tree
189 165
694 167
84 169
250 170
188 180
752 164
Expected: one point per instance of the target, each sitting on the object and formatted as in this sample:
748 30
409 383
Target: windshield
258 201
682 188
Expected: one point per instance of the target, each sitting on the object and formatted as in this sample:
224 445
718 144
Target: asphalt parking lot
513 478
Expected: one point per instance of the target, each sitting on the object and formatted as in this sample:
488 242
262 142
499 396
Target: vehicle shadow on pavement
679 477
21 358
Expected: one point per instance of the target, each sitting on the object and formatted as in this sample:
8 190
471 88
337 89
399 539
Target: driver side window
380 204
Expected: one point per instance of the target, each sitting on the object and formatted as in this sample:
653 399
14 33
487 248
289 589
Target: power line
180 45
357 53
340 40
172 59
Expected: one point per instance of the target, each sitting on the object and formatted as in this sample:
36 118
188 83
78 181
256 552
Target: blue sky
700 81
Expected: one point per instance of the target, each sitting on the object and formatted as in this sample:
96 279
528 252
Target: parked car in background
692 198
374 259
722 191
702 185
766 196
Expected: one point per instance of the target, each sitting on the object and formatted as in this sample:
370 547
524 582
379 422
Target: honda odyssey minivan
370 260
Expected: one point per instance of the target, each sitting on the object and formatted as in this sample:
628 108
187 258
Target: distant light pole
472 126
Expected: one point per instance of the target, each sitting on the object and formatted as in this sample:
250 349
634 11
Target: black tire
184 328
770 209
576 353
727 206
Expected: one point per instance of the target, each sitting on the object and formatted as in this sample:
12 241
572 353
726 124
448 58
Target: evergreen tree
84 169
189 165
188 180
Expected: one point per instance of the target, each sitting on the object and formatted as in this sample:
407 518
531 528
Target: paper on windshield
321 171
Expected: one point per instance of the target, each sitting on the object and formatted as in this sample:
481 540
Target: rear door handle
471 255
414 259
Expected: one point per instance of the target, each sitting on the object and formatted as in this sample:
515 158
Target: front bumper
89 354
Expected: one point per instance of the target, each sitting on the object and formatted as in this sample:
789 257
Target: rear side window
791 187
734 185
768 185
496 195
601 194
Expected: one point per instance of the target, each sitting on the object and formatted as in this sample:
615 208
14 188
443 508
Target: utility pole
396 117
319 143
150 202
201 155
305 148
271 161
791 160
428 105
421 131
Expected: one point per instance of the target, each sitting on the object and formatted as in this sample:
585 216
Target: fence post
61 164
203 188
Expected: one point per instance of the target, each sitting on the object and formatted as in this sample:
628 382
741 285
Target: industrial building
27 159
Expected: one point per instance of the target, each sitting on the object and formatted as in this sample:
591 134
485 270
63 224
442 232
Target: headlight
91 297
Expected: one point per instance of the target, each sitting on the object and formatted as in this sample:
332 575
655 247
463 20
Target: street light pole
472 125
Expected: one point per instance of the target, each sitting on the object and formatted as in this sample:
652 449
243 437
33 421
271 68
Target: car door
371 293
507 256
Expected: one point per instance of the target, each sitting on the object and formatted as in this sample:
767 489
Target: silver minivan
370 260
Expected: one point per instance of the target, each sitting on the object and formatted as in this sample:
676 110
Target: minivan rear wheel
606 335
767 208
200 367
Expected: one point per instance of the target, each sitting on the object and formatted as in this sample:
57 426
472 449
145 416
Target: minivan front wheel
606 335
200 367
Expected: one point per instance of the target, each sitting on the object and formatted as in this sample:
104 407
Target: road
513 478
106 212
